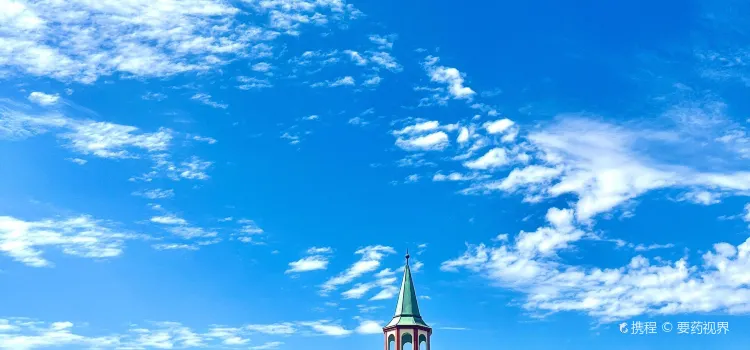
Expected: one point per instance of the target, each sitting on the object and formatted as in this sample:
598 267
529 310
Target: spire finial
407 256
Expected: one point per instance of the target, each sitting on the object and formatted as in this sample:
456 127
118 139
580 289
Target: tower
407 325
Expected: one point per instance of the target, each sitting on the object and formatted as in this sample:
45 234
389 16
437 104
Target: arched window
422 342
391 342
406 339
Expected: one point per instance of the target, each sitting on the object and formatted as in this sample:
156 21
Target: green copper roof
407 309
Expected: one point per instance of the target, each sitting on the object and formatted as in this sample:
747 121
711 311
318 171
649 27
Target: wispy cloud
250 83
22 333
206 100
450 77
262 67
210 36
78 161
343 81
154 96
436 141
370 261
156 193
384 42
43 99
316 260
81 236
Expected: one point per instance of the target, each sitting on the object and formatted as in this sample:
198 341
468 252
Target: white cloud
228 335
388 292
451 77
368 308
417 266
78 161
262 67
356 57
82 236
43 99
607 165
310 263
358 121
645 248
327 328
156 193
347 80
343 81
415 160
319 250
182 230
372 81
383 42
385 60
417 128
285 328
248 230
456 177
412 178
185 231
494 158
312 117
23 334
385 280
175 246
149 49
108 140
463 136
641 287
194 169
529 179
206 100
154 96
82 40
293 139
206 139
102 139
498 126
358 291
290 16
266 346
370 261
249 83
746 216
168 220
436 141
369 327
310 58
424 135
27 334
701 197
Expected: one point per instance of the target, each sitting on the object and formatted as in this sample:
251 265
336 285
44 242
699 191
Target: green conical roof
407 309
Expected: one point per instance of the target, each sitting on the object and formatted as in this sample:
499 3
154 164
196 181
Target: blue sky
248 174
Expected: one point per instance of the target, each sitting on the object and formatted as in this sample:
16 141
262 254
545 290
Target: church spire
407 309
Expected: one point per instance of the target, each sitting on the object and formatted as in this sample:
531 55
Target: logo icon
624 327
